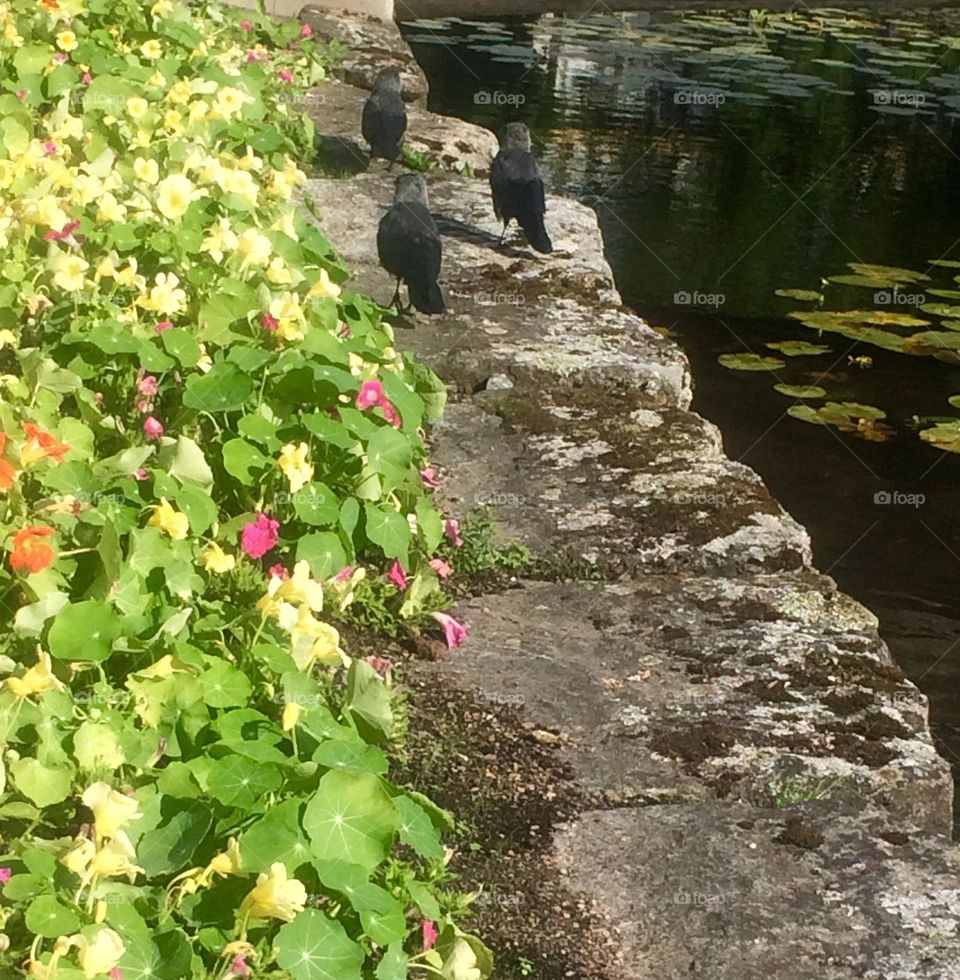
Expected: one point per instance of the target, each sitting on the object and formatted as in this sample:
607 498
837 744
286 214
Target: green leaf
801 391
317 504
42 785
239 457
798 348
323 551
275 837
749 362
388 529
84 631
313 947
369 703
46 917
185 461
182 345
224 388
199 507
236 781
223 686
393 966
389 453
417 829
169 848
801 295
351 818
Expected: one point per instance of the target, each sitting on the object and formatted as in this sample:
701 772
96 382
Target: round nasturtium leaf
313 947
350 818
46 917
84 631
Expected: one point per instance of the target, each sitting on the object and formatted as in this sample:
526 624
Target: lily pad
941 309
750 362
798 348
887 272
801 295
860 420
868 282
829 320
945 263
945 436
800 391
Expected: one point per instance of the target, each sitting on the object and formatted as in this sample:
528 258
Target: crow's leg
503 234
396 298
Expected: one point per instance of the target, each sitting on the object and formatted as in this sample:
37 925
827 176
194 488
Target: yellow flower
278 273
165 296
68 272
324 288
78 858
293 463
171 521
275 896
173 121
110 209
286 224
288 313
100 956
129 277
227 862
161 7
219 238
301 588
180 92
146 170
291 715
239 182
151 49
156 79
229 102
111 810
137 107
216 560
312 641
7 339
67 41
254 247
198 110
115 859
174 195
11 36
38 679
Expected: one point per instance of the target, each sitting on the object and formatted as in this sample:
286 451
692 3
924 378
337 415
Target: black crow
384 123
518 188
409 245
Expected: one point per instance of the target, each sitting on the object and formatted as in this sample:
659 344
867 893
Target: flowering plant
206 442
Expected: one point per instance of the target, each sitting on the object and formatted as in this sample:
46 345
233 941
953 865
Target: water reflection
729 156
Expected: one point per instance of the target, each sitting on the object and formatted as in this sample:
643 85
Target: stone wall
765 797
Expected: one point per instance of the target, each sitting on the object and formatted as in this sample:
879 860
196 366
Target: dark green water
730 158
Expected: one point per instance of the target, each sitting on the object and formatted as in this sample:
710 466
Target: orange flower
40 444
30 552
8 471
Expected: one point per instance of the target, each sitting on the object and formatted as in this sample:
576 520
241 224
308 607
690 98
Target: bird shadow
453 228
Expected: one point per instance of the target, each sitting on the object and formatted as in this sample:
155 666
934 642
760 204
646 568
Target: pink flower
371 395
390 414
148 386
285 75
451 528
116 973
279 571
87 78
455 633
306 31
21 94
61 57
164 325
246 25
343 574
152 428
50 148
430 934
268 322
442 569
239 967
397 575
380 664
140 475
64 234
431 478
5 875
345 330
260 536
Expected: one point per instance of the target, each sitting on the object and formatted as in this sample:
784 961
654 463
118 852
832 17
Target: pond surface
729 156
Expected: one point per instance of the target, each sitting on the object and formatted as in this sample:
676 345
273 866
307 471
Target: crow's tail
536 232
426 297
